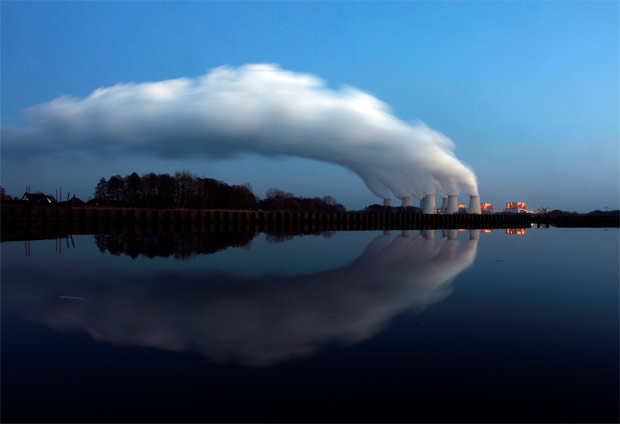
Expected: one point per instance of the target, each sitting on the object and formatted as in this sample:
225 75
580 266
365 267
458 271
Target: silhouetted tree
186 190
116 188
101 190
133 192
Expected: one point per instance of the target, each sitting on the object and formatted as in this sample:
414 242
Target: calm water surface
356 326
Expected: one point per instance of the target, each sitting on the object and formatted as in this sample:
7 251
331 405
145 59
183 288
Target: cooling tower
428 204
453 204
474 205
406 201
453 234
428 234
387 202
444 204
474 234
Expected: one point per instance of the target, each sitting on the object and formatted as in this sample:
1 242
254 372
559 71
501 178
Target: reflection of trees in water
252 320
186 245
177 245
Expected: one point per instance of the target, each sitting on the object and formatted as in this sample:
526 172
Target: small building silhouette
38 198
75 201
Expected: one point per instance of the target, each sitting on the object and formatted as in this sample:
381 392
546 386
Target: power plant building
516 207
486 207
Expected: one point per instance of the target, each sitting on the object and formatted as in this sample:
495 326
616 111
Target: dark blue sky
527 91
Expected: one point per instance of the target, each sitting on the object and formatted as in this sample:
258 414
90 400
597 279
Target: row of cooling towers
449 204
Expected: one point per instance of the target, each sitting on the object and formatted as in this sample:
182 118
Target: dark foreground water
356 326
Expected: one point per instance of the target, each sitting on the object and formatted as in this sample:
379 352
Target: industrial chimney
453 234
444 204
474 205
453 204
428 204
406 201
387 202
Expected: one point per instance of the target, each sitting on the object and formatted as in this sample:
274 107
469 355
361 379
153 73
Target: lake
434 325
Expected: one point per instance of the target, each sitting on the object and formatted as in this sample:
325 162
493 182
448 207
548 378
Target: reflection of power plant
253 320
449 234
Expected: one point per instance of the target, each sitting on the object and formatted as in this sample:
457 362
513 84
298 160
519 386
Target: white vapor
258 108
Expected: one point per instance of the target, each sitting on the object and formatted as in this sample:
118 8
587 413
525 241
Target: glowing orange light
486 231
517 231
462 206
486 205
514 205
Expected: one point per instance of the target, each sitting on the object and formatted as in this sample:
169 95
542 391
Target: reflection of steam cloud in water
257 320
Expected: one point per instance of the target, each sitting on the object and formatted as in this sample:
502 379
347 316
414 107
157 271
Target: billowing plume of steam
258 108
253 320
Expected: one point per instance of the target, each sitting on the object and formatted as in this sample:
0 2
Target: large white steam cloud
257 108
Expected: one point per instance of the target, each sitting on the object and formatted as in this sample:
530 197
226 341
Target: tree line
186 190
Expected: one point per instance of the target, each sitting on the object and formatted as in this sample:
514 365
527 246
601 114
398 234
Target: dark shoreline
22 221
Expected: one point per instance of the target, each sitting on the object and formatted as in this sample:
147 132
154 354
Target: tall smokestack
406 201
474 205
453 204
428 204
444 204
387 202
